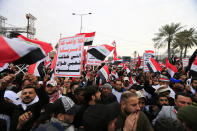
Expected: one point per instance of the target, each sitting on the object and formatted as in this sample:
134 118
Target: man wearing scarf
52 91
28 110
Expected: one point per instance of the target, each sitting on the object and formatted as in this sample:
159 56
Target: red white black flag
19 51
171 69
3 66
89 37
103 73
153 66
37 69
101 52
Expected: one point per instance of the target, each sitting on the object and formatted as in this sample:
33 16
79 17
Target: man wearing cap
63 112
106 95
126 83
52 91
181 100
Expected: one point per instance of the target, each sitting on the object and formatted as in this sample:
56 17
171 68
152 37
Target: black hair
78 90
161 95
182 94
89 91
168 124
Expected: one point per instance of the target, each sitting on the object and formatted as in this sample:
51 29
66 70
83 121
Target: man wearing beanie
187 116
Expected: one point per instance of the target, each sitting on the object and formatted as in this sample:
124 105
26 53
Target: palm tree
178 43
166 35
190 39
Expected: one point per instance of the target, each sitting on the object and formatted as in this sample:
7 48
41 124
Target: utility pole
81 15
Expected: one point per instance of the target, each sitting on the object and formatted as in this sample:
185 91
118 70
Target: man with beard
117 91
25 114
130 117
52 91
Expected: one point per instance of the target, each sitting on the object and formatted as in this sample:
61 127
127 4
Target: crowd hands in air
147 102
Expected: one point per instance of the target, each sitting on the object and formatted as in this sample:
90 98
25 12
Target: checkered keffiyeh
67 103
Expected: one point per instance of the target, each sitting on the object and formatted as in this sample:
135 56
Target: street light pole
81 15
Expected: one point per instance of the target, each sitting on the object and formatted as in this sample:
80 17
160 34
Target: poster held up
69 57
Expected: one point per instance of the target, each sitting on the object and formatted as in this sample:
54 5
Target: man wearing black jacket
25 114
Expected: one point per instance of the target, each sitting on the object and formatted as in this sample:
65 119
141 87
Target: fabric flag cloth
19 51
101 52
193 69
89 37
171 69
37 69
139 62
115 54
3 66
45 46
47 61
115 74
191 60
153 66
103 73
132 81
53 63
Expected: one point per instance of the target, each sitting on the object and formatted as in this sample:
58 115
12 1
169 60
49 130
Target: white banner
69 57
91 60
147 55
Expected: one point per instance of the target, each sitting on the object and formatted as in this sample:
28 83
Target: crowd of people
153 102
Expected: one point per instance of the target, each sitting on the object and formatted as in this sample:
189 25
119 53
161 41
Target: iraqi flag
89 37
47 61
19 51
171 69
101 52
37 69
132 81
139 62
193 69
53 63
103 74
44 45
153 66
115 74
3 66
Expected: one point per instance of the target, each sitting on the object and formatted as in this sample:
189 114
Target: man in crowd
130 117
106 96
181 100
52 91
117 91
32 100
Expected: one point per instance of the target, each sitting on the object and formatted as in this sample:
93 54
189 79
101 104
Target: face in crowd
142 103
50 89
28 95
97 97
163 100
182 101
106 91
130 105
194 84
118 85
65 118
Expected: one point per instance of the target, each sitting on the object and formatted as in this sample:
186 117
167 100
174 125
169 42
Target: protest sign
69 57
147 55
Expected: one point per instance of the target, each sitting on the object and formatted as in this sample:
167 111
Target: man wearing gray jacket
181 100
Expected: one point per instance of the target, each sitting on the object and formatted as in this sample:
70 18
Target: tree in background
167 35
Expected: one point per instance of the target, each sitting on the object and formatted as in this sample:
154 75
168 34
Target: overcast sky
131 23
